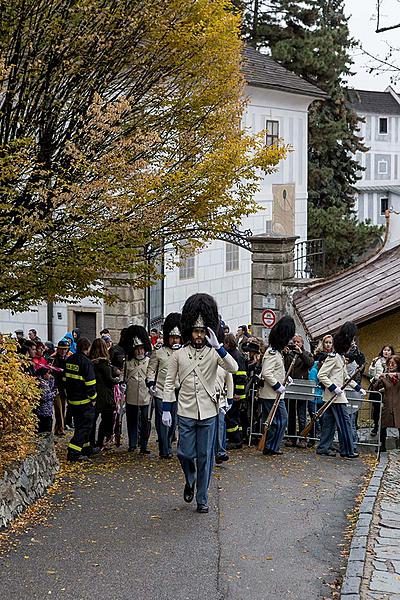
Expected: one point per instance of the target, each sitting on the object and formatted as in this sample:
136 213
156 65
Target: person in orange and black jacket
80 386
232 418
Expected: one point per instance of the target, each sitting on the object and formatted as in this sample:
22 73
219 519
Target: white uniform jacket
135 379
158 367
224 386
197 372
332 374
272 373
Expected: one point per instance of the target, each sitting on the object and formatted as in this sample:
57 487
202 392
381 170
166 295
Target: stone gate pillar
272 265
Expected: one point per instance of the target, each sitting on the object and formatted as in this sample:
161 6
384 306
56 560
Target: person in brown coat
391 399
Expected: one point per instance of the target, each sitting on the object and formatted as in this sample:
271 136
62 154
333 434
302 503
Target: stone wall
272 265
130 310
24 482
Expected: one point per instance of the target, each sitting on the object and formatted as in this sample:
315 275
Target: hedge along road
119 529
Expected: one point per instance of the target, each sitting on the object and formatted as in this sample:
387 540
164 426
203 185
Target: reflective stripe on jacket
80 380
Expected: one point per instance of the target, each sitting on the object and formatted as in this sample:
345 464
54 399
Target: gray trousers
196 452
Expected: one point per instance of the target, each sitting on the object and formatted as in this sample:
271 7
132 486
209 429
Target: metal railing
309 259
308 394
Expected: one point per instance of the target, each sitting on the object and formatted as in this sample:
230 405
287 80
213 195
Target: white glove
338 391
166 418
152 390
230 404
363 392
212 339
281 389
289 380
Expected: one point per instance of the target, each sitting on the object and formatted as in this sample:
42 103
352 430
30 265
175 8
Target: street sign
269 302
268 318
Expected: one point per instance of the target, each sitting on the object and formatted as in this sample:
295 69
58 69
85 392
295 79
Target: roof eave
317 95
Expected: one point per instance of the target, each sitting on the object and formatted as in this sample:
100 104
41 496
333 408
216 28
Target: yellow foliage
119 124
19 394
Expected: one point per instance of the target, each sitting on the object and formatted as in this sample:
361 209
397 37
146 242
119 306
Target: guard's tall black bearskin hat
172 326
135 335
343 338
281 333
199 310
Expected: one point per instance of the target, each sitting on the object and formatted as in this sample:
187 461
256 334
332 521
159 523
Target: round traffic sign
268 318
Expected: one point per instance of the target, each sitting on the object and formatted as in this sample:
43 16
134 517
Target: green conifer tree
312 39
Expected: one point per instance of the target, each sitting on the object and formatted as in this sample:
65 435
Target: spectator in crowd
33 336
304 362
117 352
242 336
29 351
376 368
39 359
58 359
390 382
324 347
153 336
73 338
105 382
104 332
226 330
355 360
44 411
19 334
108 341
48 350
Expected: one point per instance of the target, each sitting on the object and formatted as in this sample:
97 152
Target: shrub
19 395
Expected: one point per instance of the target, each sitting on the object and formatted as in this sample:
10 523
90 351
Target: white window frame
387 126
274 136
380 204
187 270
232 257
385 163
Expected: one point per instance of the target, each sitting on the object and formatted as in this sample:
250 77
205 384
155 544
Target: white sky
362 26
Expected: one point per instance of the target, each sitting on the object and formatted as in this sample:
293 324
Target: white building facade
379 186
278 102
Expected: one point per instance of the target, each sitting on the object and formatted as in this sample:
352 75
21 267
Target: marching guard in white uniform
272 376
156 374
196 366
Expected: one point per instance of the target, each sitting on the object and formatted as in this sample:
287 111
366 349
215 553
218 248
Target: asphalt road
119 529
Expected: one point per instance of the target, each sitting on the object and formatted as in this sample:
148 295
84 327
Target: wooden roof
359 294
260 70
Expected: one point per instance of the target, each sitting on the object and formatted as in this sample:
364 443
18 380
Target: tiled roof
359 294
261 71
383 103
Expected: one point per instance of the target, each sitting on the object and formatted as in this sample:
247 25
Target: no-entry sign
268 318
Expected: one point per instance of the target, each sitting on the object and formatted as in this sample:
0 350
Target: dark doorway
86 321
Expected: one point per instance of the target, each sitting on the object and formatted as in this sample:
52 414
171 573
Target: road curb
358 548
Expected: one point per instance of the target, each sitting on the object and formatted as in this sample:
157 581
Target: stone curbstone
355 567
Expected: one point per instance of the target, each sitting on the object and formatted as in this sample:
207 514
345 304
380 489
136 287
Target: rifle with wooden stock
272 412
325 407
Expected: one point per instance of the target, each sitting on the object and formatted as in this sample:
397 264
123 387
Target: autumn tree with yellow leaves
119 124
19 395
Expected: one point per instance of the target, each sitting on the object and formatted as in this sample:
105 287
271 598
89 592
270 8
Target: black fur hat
203 309
172 322
343 338
131 337
281 333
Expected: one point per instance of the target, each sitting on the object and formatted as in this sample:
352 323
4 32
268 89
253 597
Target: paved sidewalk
274 532
381 579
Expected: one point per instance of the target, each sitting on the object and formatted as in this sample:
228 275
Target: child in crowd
45 409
